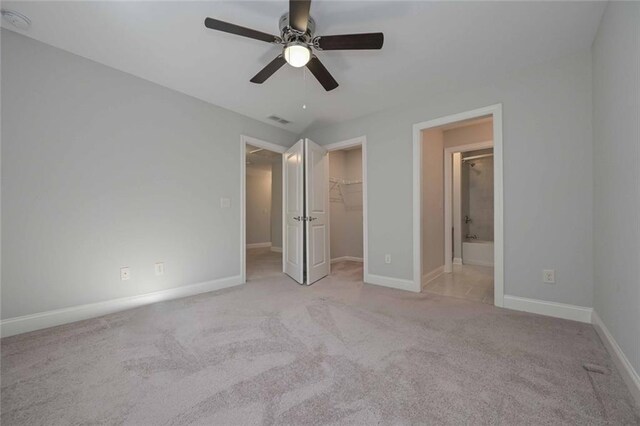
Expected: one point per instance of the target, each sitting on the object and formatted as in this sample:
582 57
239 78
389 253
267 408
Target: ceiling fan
298 40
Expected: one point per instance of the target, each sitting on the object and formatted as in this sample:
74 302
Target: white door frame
498 215
350 143
448 195
244 141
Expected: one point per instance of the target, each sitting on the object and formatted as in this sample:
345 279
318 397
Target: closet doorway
261 200
347 207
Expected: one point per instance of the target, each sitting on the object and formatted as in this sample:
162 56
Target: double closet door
306 212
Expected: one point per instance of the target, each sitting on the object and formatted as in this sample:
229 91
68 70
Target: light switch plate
159 268
225 202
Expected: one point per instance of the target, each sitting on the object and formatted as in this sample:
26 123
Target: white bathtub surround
477 252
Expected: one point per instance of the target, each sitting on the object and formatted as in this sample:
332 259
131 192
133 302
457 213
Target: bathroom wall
346 214
432 200
477 195
480 132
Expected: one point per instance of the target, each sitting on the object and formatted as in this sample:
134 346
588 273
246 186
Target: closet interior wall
345 171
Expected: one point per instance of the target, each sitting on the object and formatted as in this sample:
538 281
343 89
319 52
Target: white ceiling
429 47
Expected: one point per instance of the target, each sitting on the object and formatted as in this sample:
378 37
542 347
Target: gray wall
101 170
547 134
258 207
346 215
276 204
616 94
432 200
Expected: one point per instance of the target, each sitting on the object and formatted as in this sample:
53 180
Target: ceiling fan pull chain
304 88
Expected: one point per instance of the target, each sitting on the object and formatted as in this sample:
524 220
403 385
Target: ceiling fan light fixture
297 54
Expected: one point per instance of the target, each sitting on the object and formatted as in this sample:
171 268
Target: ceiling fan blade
299 14
226 27
268 71
350 41
322 74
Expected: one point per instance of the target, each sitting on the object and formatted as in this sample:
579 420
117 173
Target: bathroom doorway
460 206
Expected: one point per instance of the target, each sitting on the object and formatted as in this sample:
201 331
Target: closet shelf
344 182
346 192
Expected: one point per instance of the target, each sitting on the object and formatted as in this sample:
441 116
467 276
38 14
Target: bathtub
477 252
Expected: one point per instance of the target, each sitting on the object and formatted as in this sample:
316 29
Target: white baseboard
551 309
26 323
276 249
397 283
457 261
258 245
432 275
477 263
347 259
626 370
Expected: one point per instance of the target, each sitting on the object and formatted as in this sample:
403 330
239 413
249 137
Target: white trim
244 140
432 275
626 370
457 261
448 197
551 309
498 274
347 259
269 146
477 263
258 245
350 143
396 283
276 249
26 323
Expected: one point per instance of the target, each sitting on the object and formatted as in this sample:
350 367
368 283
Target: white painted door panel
293 176
317 206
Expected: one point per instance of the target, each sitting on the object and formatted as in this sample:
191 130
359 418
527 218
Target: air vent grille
278 119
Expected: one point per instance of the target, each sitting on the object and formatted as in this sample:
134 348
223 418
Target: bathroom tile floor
468 282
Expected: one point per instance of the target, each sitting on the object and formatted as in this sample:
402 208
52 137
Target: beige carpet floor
337 352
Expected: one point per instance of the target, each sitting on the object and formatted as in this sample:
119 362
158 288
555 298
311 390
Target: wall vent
278 119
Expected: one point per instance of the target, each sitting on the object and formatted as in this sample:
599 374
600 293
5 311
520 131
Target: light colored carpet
338 352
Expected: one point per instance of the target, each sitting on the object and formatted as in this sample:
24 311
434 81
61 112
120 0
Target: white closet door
293 176
317 215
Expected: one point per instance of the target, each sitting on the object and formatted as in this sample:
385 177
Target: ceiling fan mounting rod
286 29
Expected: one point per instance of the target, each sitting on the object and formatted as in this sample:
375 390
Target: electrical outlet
125 273
549 276
159 268
387 258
